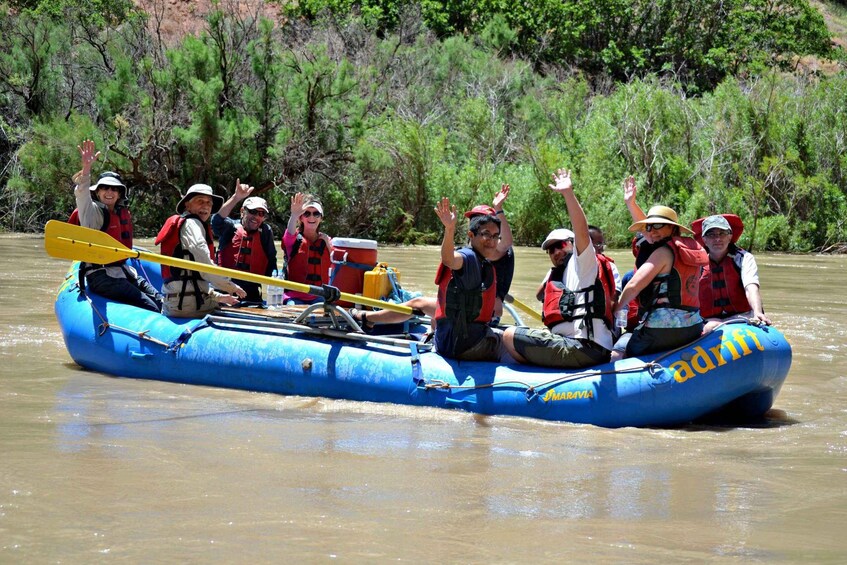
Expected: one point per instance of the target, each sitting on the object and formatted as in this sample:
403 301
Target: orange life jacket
681 286
466 306
171 245
560 303
244 252
309 263
721 291
118 225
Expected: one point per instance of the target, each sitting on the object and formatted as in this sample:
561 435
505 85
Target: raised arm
241 192
629 191
563 185
298 206
88 154
448 216
90 215
505 230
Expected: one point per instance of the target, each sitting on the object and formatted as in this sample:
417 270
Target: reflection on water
95 465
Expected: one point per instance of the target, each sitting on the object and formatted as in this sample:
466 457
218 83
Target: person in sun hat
188 235
666 281
578 296
103 206
246 244
729 287
307 250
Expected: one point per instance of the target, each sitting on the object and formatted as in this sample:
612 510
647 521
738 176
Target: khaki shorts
546 349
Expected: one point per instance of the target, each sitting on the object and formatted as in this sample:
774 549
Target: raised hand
446 213
298 204
629 189
501 196
242 191
562 181
88 152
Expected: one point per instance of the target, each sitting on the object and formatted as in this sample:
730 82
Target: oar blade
69 241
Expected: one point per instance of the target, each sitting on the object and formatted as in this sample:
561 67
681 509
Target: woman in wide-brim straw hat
666 282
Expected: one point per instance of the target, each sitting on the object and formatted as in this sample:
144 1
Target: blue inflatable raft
735 372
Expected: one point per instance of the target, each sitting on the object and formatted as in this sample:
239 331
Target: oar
512 300
68 241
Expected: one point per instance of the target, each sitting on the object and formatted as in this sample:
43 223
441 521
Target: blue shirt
450 339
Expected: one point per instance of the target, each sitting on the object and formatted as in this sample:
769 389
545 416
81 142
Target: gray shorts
546 349
489 348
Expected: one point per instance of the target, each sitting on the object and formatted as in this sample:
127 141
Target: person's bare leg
509 343
711 324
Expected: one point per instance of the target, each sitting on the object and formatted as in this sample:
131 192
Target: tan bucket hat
200 190
659 215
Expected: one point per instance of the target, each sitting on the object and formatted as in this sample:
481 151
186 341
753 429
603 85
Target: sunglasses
109 187
309 214
260 213
558 245
656 227
711 234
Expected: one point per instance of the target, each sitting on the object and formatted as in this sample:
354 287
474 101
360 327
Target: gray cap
718 222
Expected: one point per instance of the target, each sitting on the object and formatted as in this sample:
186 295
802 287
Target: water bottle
280 291
274 295
620 318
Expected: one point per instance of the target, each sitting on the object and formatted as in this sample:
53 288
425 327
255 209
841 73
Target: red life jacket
466 306
560 303
245 252
171 246
721 291
308 264
681 286
118 225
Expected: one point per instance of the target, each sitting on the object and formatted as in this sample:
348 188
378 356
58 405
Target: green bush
381 125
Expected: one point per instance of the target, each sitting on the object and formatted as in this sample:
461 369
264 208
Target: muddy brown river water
101 469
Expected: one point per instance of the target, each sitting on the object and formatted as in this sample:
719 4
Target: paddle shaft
522 306
69 241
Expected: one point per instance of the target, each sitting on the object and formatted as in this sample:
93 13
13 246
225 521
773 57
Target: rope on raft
106 326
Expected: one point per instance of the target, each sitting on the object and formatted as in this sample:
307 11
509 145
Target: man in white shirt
577 293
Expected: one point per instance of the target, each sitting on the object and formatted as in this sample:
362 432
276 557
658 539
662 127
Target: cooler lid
353 243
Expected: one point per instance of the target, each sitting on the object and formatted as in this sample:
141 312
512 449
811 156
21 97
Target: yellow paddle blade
68 241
